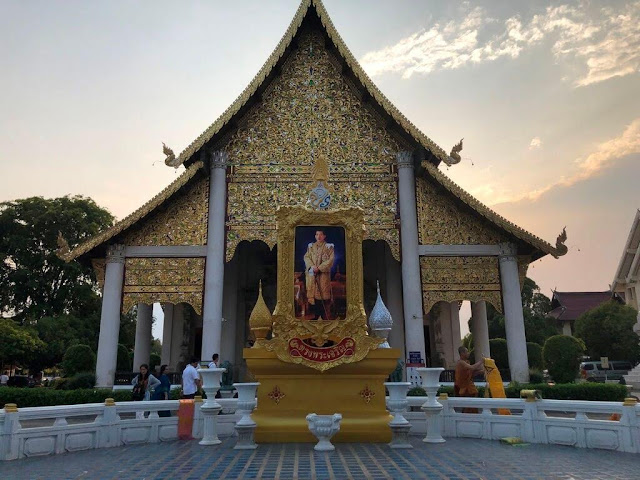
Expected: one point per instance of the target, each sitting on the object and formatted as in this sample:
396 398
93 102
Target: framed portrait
320 276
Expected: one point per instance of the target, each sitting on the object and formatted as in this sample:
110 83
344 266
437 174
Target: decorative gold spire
260 319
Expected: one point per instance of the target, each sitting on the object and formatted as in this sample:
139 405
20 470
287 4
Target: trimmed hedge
534 353
78 359
595 392
562 355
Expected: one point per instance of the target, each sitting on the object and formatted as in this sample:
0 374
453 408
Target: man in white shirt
190 379
4 378
214 361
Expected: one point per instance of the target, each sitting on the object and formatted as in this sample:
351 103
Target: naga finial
454 156
561 248
63 247
171 160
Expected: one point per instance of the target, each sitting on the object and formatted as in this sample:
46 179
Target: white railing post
448 425
629 423
529 416
196 431
10 427
108 435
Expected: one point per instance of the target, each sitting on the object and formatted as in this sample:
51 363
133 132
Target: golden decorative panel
441 221
183 222
308 111
172 280
348 337
460 278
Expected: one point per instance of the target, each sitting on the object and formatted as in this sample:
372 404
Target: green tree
78 359
123 362
499 352
18 344
34 282
535 306
607 331
534 354
562 355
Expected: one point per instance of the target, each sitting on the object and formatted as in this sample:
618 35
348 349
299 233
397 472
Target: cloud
596 44
603 156
535 143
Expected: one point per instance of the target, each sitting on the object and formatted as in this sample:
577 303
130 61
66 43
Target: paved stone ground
460 459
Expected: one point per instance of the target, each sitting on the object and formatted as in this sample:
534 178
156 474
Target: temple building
566 307
202 245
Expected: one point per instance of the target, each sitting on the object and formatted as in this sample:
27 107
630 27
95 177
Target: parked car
595 372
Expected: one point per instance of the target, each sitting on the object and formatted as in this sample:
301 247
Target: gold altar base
288 392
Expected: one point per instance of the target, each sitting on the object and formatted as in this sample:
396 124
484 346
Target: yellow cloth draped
495 388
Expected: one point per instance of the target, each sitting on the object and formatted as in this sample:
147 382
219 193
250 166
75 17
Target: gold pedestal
288 392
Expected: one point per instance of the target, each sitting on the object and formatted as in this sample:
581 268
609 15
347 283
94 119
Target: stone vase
432 408
245 427
211 378
397 404
323 427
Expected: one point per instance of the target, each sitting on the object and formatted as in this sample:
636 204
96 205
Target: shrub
42 397
536 376
416 392
499 353
81 380
154 361
562 355
78 358
123 364
534 353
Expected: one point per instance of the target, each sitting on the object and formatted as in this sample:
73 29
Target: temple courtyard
461 459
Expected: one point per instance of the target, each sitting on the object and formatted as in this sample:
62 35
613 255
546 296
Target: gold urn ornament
260 319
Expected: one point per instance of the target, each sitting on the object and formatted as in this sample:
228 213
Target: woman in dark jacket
162 391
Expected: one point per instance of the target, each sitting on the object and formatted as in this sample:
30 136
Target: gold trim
489 214
285 326
272 61
136 216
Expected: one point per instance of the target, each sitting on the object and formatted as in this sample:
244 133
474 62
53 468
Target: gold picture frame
302 341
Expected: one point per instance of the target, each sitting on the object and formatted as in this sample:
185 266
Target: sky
545 94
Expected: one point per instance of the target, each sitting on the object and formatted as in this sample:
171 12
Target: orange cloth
463 385
186 411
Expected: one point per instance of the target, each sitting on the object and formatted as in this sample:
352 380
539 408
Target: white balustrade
211 378
431 408
246 426
34 431
397 405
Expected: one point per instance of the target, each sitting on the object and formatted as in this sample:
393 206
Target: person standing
463 385
144 383
214 361
4 379
318 262
162 392
190 379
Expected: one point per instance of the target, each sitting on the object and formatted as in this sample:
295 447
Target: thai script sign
346 348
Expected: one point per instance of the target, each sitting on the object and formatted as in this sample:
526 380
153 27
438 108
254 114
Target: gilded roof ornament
561 248
454 156
171 157
260 319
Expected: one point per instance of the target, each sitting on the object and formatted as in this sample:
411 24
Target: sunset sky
545 94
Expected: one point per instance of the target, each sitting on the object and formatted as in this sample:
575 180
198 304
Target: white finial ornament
380 319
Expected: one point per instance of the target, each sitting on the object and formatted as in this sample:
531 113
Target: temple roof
629 267
428 154
312 11
570 305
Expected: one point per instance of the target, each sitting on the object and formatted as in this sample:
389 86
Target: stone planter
431 408
323 427
246 426
211 408
397 405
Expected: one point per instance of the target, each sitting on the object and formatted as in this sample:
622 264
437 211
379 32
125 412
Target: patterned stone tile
457 459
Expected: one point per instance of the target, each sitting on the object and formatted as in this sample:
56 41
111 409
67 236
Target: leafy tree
535 306
156 346
123 362
534 353
78 359
17 344
499 352
607 331
154 361
34 282
61 332
562 354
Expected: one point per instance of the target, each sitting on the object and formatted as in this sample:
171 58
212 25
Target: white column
411 284
142 346
456 340
480 329
167 330
110 317
444 322
566 328
514 318
177 337
214 269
